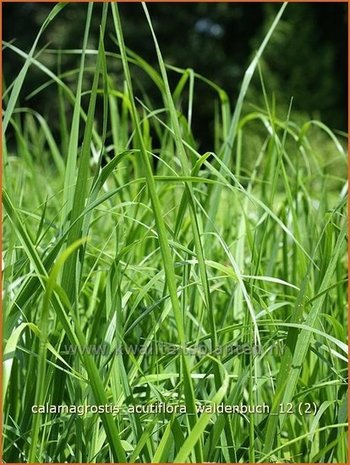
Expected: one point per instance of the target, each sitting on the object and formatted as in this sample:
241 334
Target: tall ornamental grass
144 275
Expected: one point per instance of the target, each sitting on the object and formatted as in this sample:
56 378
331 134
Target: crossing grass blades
140 272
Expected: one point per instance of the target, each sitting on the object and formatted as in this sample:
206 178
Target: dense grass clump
150 288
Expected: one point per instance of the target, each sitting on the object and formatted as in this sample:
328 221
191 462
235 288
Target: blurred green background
306 58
